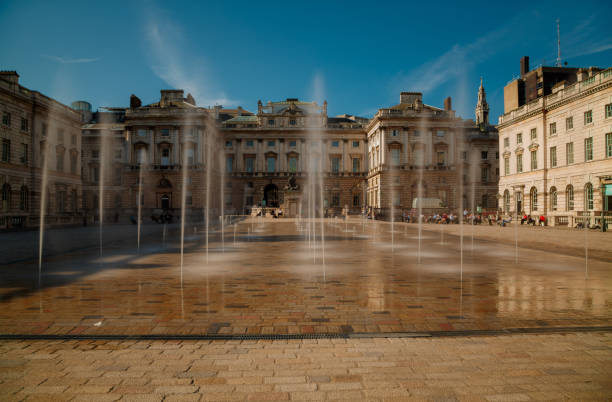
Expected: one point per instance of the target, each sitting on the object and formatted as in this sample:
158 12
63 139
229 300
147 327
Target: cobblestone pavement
501 368
272 280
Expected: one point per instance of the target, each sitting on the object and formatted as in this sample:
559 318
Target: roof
103 126
242 119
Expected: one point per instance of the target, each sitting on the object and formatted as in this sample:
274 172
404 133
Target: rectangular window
588 117
553 156
292 164
506 166
496 155
249 143
335 144
6 119
228 144
60 162
292 144
588 149
118 154
24 124
355 144
417 133
519 163
6 150
43 129
250 164
73 164
356 162
165 132
534 133
188 198
393 133
229 164
519 138
464 155
552 129
440 133
165 157
271 164
60 136
569 152
335 164
441 158
292 122
484 155
335 199
141 132
270 122
484 174
24 153
271 143
73 139
608 110
506 142
569 123
534 160
356 200
609 145
395 156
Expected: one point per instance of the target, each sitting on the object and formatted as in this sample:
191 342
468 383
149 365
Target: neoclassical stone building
557 147
421 151
233 160
37 131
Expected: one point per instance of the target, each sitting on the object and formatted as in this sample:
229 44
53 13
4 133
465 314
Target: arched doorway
271 195
165 201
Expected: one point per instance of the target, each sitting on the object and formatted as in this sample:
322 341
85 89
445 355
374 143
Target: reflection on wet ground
272 280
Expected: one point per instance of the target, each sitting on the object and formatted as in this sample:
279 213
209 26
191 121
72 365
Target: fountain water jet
139 206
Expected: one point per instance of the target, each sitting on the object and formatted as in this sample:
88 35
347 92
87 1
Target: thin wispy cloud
455 62
171 62
583 40
66 60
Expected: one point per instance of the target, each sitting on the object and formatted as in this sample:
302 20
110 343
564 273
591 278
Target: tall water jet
104 139
139 203
184 170
208 166
222 195
420 166
43 204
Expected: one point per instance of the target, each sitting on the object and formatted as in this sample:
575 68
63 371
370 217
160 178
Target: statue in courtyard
292 184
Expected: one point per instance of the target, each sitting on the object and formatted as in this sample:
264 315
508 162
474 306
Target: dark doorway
271 195
165 201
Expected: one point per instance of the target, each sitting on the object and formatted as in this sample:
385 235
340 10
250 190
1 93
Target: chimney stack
524 65
448 104
411 98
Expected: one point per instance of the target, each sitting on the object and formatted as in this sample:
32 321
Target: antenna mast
558 44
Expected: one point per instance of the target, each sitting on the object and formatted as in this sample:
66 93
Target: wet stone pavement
267 278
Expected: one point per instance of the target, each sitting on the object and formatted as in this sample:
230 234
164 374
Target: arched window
533 195
507 201
6 196
588 196
569 198
24 199
553 198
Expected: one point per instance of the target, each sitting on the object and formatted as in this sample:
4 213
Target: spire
482 107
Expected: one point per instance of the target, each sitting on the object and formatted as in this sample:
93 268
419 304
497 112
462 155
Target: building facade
38 135
557 148
288 155
420 151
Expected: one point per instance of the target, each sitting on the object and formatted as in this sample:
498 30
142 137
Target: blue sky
357 55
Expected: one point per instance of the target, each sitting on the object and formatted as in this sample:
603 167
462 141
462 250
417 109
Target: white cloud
174 65
65 60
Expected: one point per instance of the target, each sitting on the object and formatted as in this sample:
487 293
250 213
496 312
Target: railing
562 220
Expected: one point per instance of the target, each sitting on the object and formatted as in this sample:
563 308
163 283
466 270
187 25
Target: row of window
292 143
569 125
6 152
24 197
6 120
165 132
554 161
292 162
569 198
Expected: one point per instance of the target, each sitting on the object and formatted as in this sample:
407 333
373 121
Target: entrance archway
271 195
